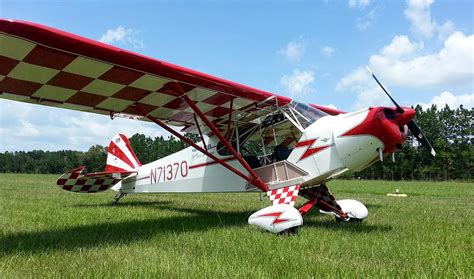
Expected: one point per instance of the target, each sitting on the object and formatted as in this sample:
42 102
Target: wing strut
200 132
230 116
193 144
254 179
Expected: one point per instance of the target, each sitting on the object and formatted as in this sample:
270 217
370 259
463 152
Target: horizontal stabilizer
75 181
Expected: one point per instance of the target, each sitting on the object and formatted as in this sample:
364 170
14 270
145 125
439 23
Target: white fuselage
338 154
322 152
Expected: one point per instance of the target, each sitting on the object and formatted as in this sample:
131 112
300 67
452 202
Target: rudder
120 155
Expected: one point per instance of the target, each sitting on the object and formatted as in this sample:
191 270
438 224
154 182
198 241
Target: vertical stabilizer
120 156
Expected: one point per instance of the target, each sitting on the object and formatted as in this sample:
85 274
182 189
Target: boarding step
278 175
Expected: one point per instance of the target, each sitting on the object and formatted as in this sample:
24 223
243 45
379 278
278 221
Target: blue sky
313 51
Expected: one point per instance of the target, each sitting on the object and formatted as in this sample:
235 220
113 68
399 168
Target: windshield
306 114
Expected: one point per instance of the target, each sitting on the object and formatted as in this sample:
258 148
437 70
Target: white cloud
371 96
453 101
404 62
327 51
419 14
451 65
445 30
356 80
298 83
366 21
401 64
360 4
398 63
294 50
28 127
368 92
122 36
401 47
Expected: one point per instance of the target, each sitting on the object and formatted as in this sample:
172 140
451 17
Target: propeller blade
399 108
416 131
412 126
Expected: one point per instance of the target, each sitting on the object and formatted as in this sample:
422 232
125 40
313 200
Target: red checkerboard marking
48 57
71 81
216 106
101 80
286 195
74 181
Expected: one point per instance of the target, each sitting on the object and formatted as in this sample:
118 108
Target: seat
253 161
281 153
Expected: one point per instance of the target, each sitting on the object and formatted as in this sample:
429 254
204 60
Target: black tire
290 231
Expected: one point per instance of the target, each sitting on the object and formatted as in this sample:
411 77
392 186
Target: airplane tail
120 155
121 163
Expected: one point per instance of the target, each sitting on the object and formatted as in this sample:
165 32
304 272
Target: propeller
412 126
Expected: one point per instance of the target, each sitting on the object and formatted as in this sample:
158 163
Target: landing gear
345 211
118 197
278 218
290 231
355 211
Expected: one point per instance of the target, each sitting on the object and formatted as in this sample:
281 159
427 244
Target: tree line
450 131
37 161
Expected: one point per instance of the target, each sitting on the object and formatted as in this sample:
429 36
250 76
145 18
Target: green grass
47 232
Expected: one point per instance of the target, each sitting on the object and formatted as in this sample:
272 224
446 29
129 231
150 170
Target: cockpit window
306 114
283 126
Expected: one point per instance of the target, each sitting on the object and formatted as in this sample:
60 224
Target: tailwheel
118 197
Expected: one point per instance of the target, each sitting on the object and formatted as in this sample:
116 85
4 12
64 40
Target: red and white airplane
251 140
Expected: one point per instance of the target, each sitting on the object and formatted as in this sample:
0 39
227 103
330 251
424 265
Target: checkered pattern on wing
321 193
74 181
286 195
34 73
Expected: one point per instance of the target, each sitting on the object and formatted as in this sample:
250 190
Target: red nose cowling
405 117
387 125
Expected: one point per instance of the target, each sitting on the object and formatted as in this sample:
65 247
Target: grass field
47 232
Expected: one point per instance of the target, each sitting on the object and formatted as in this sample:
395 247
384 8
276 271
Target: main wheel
291 231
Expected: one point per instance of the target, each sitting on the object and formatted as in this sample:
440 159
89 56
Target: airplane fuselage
330 147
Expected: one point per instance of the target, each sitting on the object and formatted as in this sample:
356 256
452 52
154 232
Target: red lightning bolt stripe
276 215
310 151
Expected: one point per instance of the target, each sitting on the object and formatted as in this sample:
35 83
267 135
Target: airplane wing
328 110
46 66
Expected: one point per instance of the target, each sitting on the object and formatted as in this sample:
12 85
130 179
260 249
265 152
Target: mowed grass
47 232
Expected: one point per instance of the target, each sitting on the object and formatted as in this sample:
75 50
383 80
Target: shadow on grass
122 232
344 226
372 205
129 231
150 204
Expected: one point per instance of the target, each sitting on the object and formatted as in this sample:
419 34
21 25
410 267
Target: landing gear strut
118 197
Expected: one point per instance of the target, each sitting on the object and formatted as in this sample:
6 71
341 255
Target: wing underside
50 67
